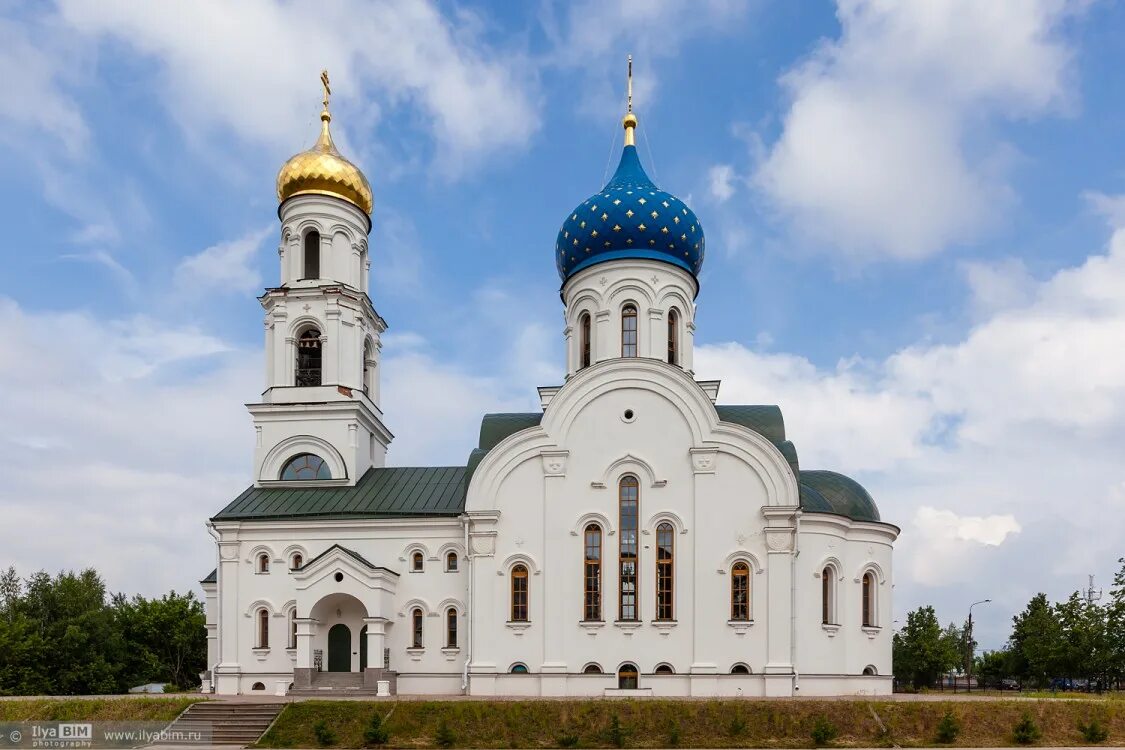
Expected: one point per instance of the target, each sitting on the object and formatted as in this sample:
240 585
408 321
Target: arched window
828 595
293 628
451 562
673 337
416 632
665 575
263 628
592 669
869 600
258 686
629 331
592 573
417 562
312 255
627 677
263 562
518 668
740 591
305 467
870 671
368 369
740 669
308 358
519 593
296 561
451 628
584 340
628 496
665 669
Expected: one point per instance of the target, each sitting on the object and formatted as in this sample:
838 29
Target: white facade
630 525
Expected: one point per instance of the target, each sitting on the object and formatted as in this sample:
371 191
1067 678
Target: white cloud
120 273
988 450
881 153
34 97
720 180
225 267
115 456
998 286
945 525
253 67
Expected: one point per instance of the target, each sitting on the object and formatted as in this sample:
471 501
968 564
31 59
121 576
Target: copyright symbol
15 736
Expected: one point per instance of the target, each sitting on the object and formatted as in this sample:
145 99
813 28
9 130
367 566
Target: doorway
340 648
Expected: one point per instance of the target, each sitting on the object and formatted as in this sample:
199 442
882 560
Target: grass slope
688 723
93 709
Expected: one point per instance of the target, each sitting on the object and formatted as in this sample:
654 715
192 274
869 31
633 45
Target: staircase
341 684
221 723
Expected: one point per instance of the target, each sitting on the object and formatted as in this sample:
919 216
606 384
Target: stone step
224 723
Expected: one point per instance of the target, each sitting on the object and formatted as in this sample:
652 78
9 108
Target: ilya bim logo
48 734
75 735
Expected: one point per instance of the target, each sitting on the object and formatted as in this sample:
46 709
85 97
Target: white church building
633 536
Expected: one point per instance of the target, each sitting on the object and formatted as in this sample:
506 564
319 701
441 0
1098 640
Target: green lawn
94 709
688 723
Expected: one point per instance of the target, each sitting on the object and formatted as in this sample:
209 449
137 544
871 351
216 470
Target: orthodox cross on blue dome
630 218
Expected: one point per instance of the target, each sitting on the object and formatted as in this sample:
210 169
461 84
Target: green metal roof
350 553
766 420
212 577
495 427
398 492
829 492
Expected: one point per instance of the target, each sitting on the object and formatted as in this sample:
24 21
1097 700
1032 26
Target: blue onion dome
630 218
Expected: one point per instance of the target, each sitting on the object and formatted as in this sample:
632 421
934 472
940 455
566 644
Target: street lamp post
969 635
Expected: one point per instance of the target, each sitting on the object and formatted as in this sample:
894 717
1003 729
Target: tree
167 637
1036 641
1115 626
1085 648
922 652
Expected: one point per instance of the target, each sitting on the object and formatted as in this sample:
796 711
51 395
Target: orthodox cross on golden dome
327 88
629 122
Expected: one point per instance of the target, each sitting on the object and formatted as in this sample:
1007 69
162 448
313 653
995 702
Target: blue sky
916 236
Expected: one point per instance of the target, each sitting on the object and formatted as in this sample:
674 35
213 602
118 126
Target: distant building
632 535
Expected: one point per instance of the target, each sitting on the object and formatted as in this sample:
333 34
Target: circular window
628 416
339 576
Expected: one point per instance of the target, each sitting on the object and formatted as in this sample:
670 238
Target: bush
616 732
324 735
737 726
948 729
569 739
1094 732
674 736
445 736
376 734
823 732
1026 731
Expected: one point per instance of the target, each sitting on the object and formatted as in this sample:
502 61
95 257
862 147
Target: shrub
674 736
948 729
324 735
616 732
737 726
1026 731
444 736
376 733
823 732
567 739
1094 732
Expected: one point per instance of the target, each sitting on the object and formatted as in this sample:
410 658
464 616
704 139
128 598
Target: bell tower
319 417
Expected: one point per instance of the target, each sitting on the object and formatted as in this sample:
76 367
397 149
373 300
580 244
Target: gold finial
629 122
327 92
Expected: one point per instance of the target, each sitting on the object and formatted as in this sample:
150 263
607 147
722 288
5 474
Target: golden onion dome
323 171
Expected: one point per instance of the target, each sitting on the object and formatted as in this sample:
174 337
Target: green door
340 648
